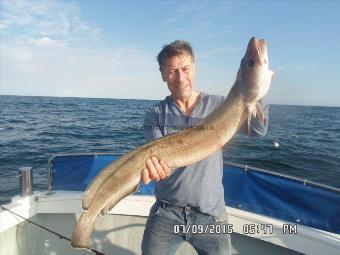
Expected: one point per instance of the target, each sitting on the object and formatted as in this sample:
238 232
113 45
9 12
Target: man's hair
176 48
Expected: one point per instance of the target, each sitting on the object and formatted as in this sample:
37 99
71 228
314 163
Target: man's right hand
155 170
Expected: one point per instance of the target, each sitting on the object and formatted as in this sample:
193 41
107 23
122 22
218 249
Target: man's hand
155 170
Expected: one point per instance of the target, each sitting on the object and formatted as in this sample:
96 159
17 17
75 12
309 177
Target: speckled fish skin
122 177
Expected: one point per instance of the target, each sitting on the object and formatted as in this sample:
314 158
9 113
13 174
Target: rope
49 230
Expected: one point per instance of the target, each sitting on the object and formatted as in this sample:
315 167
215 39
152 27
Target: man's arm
155 169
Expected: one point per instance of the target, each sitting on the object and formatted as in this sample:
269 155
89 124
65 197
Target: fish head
256 54
254 76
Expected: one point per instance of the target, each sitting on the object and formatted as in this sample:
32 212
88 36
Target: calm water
32 129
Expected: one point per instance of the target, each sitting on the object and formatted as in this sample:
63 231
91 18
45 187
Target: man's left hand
155 170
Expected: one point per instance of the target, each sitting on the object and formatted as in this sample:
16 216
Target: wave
309 137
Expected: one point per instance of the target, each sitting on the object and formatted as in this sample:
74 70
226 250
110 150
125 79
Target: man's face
179 73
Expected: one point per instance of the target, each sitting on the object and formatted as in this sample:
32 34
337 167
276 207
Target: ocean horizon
332 106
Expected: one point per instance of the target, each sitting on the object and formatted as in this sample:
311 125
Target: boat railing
251 189
50 163
241 166
287 176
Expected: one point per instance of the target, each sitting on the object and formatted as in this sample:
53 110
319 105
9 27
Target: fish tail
118 185
82 233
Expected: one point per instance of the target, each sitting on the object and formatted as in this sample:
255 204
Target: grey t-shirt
198 185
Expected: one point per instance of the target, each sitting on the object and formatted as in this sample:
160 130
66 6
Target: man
191 197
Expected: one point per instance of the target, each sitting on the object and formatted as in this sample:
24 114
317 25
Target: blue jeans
168 227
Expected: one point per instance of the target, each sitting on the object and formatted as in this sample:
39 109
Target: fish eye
250 63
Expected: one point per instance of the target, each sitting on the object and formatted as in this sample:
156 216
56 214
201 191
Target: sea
32 129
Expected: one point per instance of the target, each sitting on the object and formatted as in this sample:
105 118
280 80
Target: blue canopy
248 189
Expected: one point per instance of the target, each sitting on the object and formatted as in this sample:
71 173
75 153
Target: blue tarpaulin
251 190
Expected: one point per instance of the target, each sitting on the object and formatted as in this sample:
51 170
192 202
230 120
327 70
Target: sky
108 48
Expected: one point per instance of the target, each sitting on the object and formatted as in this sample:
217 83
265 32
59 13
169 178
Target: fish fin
266 85
260 112
248 124
271 74
251 113
254 110
108 208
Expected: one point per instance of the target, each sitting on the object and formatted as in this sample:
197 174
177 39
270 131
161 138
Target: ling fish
122 177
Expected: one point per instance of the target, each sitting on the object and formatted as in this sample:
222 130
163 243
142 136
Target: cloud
45 67
179 13
46 42
53 54
296 67
199 10
217 51
44 18
200 20
48 49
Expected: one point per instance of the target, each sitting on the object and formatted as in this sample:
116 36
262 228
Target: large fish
122 177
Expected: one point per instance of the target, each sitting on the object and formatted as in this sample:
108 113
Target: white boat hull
121 231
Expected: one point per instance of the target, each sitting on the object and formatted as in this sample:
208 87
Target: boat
268 213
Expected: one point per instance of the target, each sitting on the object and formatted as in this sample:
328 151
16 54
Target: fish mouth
256 52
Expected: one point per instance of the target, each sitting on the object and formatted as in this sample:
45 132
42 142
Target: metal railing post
25 181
